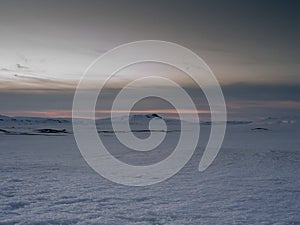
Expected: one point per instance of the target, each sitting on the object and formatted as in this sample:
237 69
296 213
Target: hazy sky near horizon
252 47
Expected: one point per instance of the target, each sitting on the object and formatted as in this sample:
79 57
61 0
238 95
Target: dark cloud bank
244 101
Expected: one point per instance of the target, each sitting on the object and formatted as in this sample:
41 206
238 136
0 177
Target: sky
251 46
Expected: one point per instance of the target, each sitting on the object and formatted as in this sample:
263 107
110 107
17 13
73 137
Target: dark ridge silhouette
52 131
261 129
154 115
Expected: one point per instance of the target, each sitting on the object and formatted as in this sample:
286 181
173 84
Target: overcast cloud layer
252 47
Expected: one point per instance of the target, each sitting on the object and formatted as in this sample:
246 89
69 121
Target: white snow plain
255 178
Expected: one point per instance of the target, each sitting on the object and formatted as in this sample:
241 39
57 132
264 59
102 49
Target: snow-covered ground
255 178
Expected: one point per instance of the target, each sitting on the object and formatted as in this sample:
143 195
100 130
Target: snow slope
255 179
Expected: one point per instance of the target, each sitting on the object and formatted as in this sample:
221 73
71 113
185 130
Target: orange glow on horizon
68 113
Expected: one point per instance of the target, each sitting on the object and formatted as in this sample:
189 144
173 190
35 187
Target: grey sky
48 44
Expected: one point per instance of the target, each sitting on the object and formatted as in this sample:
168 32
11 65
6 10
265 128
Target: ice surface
255 179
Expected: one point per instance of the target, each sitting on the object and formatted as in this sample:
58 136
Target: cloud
19 66
262 92
243 100
4 69
23 83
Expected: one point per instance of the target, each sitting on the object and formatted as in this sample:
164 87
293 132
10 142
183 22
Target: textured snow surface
255 179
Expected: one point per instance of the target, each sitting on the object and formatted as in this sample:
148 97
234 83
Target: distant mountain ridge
25 119
147 117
